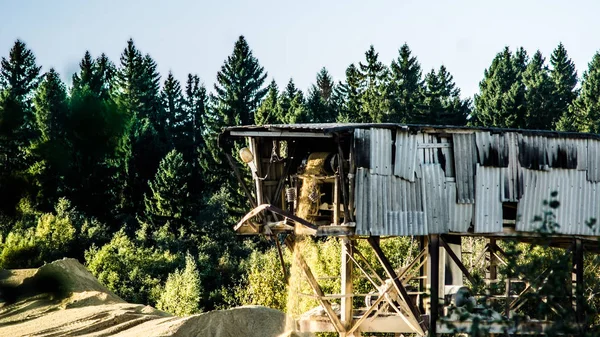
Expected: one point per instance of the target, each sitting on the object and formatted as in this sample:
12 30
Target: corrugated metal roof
578 201
435 198
406 155
393 206
381 151
512 176
460 215
593 160
464 163
492 149
488 207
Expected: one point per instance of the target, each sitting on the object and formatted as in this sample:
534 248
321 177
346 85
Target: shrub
182 292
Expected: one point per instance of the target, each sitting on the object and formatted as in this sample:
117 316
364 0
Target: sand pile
63 299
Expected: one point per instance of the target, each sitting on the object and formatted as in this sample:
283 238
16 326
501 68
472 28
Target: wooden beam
346 284
276 210
279 134
456 260
389 270
238 175
312 281
579 298
281 260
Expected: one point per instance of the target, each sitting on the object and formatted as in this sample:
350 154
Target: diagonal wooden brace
312 281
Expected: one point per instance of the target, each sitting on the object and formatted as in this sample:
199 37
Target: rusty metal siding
488 207
361 195
435 198
381 151
362 148
492 149
532 152
512 175
464 163
406 155
460 215
582 150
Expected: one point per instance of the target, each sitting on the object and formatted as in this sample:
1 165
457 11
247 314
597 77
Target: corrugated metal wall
425 183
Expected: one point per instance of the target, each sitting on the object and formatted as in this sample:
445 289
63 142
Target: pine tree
190 139
97 75
501 101
291 106
239 88
51 107
267 111
51 151
169 193
442 102
319 103
19 73
564 77
406 87
173 102
584 113
374 75
538 95
350 93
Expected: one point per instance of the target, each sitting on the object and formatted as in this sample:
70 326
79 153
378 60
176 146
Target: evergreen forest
121 168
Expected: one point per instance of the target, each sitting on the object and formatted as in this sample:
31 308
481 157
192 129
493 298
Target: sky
296 39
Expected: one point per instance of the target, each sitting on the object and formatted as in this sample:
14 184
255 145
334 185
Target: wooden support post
312 281
347 215
493 273
258 162
578 263
346 286
434 280
336 201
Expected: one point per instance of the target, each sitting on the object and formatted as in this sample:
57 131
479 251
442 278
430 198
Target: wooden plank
279 134
339 327
434 280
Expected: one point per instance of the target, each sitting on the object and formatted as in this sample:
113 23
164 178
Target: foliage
133 272
181 294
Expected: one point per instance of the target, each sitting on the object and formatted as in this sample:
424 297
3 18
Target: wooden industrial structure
436 184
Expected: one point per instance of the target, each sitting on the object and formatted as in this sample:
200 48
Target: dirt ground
63 299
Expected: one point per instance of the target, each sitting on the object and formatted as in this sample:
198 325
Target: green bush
182 292
133 272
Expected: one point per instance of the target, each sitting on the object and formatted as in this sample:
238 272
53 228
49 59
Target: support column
346 286
434 281
578 264
493 260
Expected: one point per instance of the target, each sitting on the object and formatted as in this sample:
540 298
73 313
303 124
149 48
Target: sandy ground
81 306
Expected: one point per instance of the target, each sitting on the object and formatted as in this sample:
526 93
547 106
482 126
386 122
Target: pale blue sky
296 39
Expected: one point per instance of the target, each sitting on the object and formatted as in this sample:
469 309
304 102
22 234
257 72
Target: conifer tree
51 151
564 77
97 75
442 102
374 101
267 111
538 94
190 139
19 73
406 87
173 102
501 101
584 113
169 193
350 93
239 88
319 102
291 108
